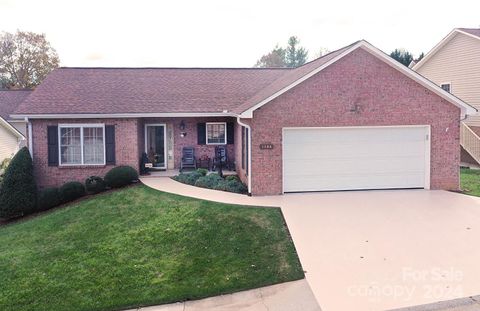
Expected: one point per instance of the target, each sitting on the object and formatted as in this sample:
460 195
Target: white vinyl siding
458 62
9 143
355 158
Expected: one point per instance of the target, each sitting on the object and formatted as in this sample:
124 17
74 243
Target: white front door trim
164 125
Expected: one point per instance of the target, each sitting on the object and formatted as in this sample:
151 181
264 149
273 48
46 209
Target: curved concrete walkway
167 184
290 296
364 250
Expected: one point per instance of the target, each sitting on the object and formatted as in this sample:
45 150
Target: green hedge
121 176
209 181
18 192
212 181
71 191
48 198
232 185
188 178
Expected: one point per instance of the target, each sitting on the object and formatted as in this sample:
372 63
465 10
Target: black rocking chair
221 158
188 158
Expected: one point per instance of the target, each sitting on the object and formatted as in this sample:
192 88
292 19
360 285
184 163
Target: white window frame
81 126
206 133
449 86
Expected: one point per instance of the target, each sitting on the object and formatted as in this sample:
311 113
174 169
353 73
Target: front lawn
470 181
139 246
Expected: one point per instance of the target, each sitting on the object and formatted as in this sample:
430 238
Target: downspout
249 162
29 136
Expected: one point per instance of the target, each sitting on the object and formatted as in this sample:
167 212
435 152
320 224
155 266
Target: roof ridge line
181 68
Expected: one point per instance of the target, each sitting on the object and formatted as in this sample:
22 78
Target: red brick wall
241 172
126 135
190 140
385 97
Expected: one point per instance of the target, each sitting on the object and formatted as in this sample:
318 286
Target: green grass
470 181
137 247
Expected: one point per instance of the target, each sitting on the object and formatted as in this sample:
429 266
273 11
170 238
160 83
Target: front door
156 145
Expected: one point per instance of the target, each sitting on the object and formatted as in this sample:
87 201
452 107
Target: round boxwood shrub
188 178
232 185
95 184
209 181
232 177
71 191
121 176
48 198
18 192
202 171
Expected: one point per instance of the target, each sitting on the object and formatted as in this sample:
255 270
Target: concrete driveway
377 250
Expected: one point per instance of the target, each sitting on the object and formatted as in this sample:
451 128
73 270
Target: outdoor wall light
182 126
183 134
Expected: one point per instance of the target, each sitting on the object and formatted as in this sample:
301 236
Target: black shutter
230 133
201 133
110 144
52 141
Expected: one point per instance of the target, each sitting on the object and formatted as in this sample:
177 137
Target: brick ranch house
352 119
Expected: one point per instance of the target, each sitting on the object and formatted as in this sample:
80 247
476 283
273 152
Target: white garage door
350 158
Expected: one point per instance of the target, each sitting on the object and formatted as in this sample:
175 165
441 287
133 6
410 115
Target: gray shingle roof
10 100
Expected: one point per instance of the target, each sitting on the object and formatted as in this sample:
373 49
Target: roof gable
471 32
289 80
299 75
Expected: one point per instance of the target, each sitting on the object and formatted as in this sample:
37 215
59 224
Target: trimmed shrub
95 184
71 191
231 185
209 181
18 193
188 178
48 198
202 171
232 177
121 176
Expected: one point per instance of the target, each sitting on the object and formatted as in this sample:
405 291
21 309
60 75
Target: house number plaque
266 146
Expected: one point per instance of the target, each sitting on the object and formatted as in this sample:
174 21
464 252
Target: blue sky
227 33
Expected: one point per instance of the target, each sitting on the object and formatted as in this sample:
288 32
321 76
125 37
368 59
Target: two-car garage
354 158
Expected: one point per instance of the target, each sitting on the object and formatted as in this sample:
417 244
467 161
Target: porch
163 140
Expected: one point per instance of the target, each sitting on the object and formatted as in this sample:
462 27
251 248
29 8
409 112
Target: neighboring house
352 119
12 132
454 64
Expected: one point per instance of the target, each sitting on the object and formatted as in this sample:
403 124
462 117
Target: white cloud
225 33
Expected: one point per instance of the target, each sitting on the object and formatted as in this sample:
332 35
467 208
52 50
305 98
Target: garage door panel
334 150
313 167
354 158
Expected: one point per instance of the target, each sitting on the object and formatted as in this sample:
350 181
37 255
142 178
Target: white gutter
249 162
123 115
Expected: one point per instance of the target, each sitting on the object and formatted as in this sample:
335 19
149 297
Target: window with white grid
82 144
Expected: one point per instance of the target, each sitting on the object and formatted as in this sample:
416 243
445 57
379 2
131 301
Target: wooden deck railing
470 141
